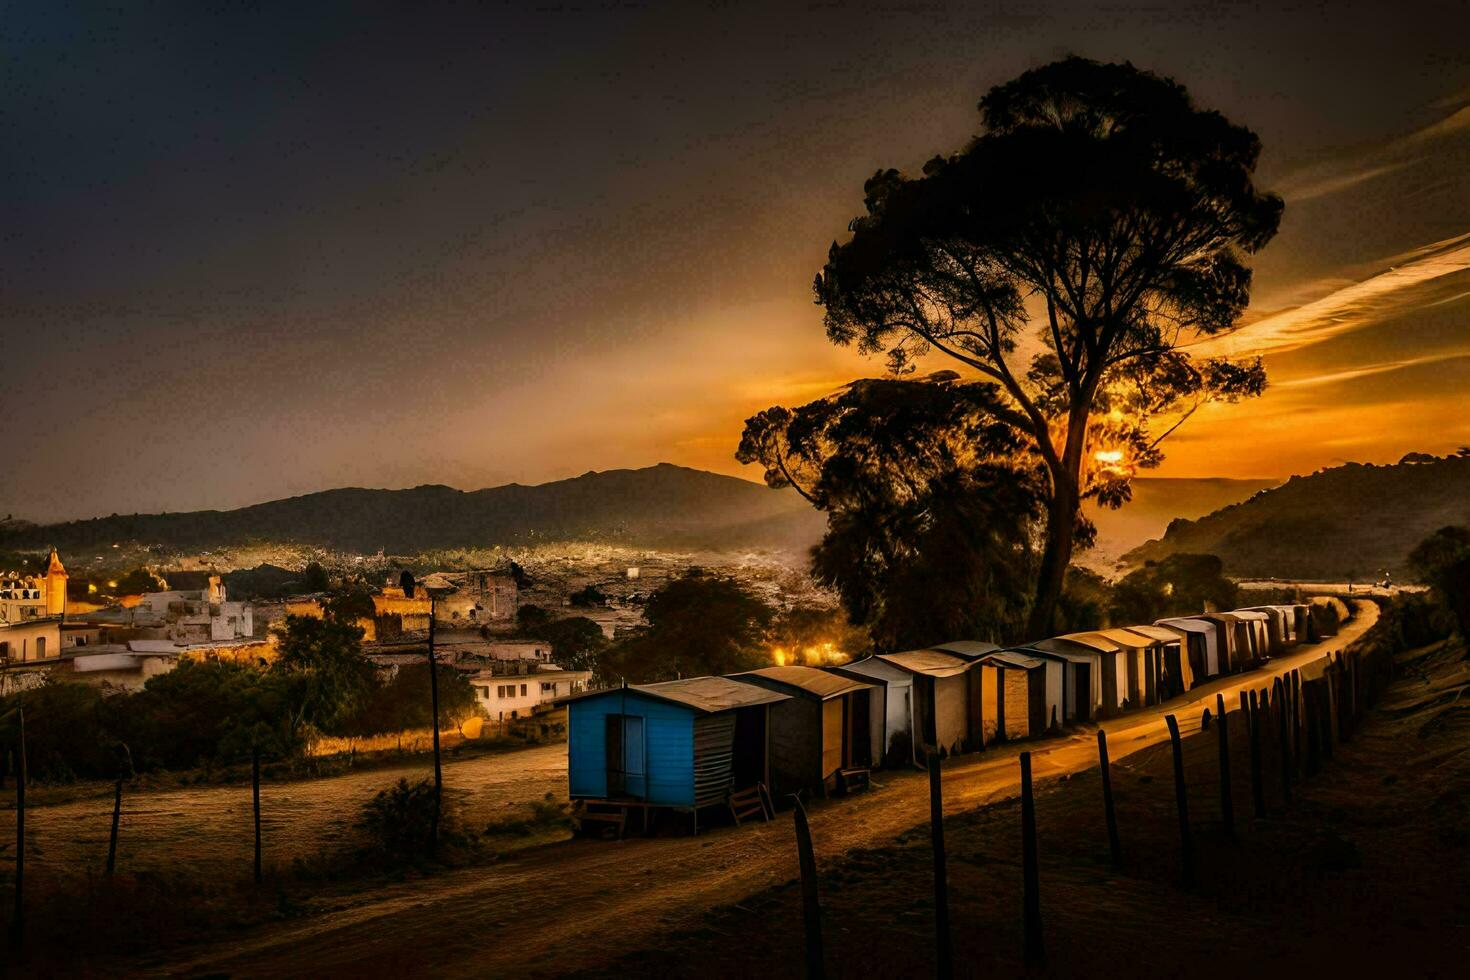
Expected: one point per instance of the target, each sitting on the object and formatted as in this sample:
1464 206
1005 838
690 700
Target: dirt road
576 904
209 825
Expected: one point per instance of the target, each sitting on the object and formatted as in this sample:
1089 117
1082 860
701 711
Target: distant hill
1157 501
658 506
1354 520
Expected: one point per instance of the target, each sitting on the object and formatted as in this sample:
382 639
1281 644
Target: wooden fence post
943 949
1035 950
18 919
1278 691
1311 711
811 908
116 818
1227 800
1181 797
1114 847
255 795
1297 705
1258 790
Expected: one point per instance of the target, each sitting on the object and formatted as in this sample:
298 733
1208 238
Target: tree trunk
1061 520
1062 510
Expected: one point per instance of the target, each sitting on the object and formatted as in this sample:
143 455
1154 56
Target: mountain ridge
1357 520
663 504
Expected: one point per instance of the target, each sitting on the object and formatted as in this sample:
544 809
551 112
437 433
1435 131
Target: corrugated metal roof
1066 649
1160 633
1127 638
1094 639
1187 624
706 694
969 649
930 662
1014 658
809 679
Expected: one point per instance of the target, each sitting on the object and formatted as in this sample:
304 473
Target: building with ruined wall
31 610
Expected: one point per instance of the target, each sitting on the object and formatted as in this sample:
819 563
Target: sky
249 251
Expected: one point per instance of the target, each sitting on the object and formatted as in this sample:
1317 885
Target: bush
404 702
399 825
1421 620
544 815
68 736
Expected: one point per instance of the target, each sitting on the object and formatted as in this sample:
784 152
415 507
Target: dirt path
578 904
209 825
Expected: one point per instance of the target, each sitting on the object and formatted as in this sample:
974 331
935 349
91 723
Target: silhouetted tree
576 642
530 617
328 676
1443 561
349 607
314 578
697 624
1175 586
1100 220
931 508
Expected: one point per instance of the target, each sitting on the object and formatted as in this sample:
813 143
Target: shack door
832 718
1082 692
626 774
859 729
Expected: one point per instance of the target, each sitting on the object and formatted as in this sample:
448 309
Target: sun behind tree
1099 224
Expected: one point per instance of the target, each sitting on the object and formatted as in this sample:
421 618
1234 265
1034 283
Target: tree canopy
1098 224
1443 561
931 510
322 661
576 642
1178 585
697 624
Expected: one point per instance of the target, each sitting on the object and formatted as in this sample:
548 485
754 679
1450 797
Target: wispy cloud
1347 309
1367 370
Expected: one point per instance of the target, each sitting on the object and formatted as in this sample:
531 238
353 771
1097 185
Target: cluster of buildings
122 646
474 616
700 742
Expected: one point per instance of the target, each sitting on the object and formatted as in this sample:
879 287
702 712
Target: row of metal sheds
690 743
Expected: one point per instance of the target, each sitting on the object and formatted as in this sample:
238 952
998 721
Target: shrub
398 825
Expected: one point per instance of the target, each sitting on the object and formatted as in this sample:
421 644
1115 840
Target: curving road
578 904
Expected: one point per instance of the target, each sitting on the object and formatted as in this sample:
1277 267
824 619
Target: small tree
930 519
1176 586
1068 254
697 624
576 642
314 578
328 676
1443 561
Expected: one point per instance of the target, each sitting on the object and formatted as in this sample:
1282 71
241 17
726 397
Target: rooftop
930 662
808 679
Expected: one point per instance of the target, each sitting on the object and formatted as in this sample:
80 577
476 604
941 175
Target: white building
507 696
195 615
31 611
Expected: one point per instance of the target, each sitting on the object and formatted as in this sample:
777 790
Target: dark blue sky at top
256 249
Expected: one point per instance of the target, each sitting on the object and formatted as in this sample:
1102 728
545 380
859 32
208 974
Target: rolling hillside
1356 520
1156 503
658 506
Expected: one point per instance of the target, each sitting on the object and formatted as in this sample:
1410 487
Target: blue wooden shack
680 745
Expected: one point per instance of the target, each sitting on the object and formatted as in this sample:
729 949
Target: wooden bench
614 818
852 780
749 802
